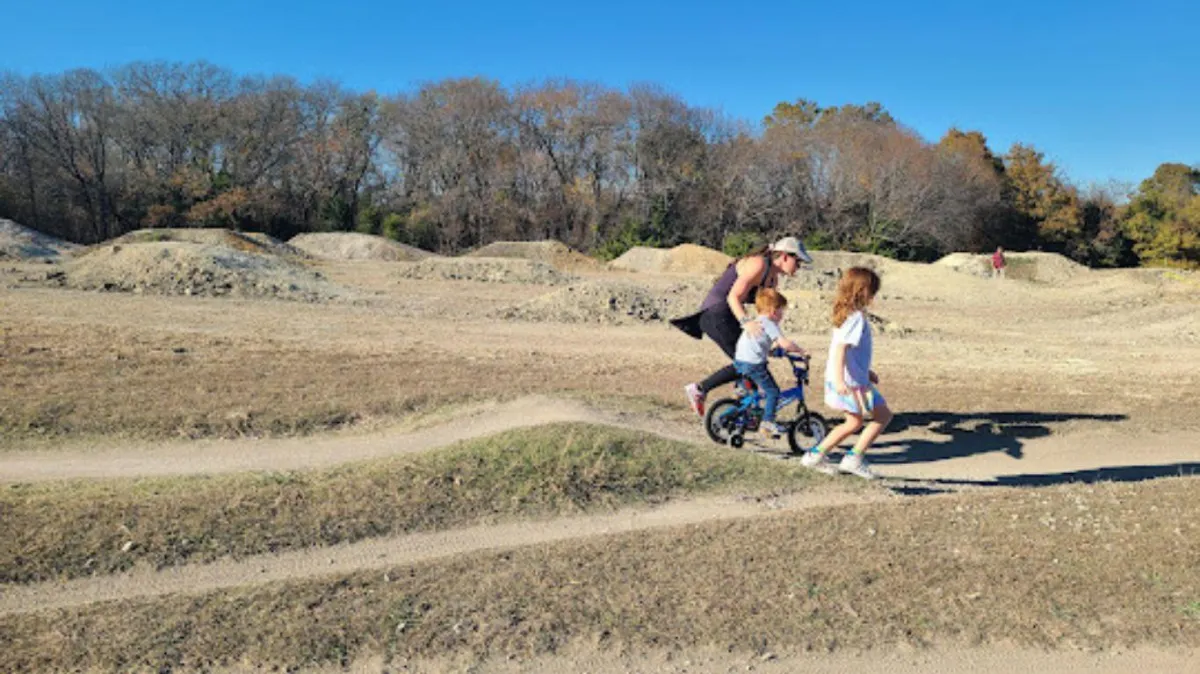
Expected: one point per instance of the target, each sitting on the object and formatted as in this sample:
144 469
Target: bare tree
168 130
570 137
67 122
455 143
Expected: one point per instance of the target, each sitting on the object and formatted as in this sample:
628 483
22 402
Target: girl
849 380
723 313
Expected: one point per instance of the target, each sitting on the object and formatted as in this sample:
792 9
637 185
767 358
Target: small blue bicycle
729 419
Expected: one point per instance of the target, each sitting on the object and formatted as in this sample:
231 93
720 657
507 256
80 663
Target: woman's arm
749 271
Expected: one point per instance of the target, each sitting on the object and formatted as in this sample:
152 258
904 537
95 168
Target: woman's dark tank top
719 293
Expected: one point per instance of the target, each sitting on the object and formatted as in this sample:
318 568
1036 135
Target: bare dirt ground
1014 384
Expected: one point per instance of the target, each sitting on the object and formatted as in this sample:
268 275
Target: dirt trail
890 660
947 659
958 455
390 552
143 459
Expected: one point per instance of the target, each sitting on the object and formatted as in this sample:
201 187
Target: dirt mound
248 242
1034 266
641 258
187 268
967 263
822 280
23 243
486 269
554 253
685 258
356 246
608 302
689 258
835 260
809 313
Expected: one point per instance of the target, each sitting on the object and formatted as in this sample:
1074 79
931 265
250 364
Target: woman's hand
841 388
753 328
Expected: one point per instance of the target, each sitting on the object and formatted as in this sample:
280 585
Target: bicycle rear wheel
723 419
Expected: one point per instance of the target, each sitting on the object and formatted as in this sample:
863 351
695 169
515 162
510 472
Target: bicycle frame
754 398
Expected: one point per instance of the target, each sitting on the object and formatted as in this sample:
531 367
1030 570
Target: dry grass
80 528
1013 567
61 380
154 385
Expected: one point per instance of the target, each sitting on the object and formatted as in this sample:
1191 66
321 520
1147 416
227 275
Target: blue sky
1106 89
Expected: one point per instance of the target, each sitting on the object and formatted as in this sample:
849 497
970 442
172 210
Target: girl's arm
839 368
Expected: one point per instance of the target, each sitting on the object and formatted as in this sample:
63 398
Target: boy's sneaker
856 465
818 462
771 429
695 398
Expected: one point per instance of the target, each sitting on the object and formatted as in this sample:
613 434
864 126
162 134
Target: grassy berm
80 528
1072 566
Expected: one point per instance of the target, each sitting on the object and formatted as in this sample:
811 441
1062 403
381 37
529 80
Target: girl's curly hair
854 292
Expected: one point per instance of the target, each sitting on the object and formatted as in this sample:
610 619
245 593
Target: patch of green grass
78 528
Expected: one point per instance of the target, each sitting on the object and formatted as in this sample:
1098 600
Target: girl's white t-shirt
855 331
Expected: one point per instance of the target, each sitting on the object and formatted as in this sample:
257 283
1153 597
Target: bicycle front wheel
807 431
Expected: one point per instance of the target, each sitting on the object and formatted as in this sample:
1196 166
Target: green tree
1163 218
802 113
632 233
737 244
806 113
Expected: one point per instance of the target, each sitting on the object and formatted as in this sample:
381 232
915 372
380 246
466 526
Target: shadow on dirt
968 434
921 487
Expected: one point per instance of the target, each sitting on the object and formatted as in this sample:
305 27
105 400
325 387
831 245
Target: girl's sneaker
856 465
818 462
771 429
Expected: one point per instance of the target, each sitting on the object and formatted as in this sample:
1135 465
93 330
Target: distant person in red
998 263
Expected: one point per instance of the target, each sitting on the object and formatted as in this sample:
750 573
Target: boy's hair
854 292
768 300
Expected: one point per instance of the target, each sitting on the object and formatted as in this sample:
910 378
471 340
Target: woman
723 311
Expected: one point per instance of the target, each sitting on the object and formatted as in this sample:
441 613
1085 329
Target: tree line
455 164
